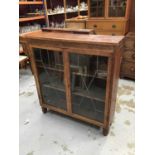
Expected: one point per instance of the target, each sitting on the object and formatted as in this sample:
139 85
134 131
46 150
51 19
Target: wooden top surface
69 37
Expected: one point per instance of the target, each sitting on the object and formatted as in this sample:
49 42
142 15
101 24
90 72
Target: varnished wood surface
30 2
67 37
76 19
107 46
31 18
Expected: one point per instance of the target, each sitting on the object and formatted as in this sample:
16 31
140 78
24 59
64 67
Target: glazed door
71 8
96 8
88 74
50 70
117 8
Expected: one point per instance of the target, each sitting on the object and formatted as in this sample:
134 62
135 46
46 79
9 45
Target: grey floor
54 134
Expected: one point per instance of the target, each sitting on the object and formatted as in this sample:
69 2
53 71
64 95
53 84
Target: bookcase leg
105 131
44 110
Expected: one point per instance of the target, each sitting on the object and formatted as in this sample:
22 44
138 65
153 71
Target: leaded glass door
97 8
117 8
88 85
50 68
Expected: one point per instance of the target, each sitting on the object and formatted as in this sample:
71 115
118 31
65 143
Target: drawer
128 68
106 25
101 32
75 25
129 55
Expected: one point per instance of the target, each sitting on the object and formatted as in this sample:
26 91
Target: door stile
35 72
67 81
108 93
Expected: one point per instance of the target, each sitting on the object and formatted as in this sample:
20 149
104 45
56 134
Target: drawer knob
113 26
113 34
95 25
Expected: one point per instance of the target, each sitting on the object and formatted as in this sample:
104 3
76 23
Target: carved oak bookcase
76 74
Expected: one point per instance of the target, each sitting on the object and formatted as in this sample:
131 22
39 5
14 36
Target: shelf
30 3
55 13
66 12
103 76
50 68
31 18
94 94
83 9
57 87
99 76
77 11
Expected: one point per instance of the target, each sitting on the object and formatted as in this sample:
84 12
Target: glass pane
97 8
51 76
71 8
88 84
117 8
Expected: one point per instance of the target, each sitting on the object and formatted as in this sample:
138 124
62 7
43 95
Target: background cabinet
31 15
108 16
78 21
76 75
59 11
31 18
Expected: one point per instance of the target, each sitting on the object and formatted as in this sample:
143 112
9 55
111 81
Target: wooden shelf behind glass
31 18
30 2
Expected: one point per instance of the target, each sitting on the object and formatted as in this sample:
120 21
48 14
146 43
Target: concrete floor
54 134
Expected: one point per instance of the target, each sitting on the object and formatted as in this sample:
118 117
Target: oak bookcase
76 74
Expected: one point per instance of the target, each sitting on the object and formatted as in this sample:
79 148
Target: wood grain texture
67 80
67 37
31 18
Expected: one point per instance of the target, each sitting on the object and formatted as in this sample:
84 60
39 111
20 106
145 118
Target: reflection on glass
51 76
97 8
117 8
88 84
